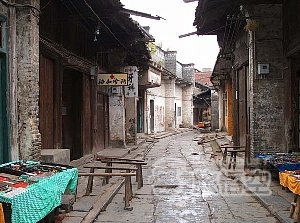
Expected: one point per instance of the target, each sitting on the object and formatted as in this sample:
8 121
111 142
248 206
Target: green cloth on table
42 197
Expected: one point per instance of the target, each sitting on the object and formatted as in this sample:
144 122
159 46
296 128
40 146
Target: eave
116 29
211 15
221 72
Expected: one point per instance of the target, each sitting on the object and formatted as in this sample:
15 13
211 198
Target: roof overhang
211 15
111 27
222 70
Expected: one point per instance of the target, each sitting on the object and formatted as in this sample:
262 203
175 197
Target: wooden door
140 113
151 115
47 102
72 113
242 107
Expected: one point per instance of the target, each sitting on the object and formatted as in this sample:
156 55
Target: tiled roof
203 78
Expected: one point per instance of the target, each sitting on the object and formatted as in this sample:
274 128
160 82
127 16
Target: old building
166 93
51 98
256 72
202 97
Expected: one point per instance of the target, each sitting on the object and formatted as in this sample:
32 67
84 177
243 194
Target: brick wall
267 91
170 61
27 52
188 73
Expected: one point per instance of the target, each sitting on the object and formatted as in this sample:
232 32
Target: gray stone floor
182 183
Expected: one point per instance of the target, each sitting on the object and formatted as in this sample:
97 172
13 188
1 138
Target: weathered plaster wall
178 103
131 114
214 110
188 73
170 103
117 120
158 95
187 106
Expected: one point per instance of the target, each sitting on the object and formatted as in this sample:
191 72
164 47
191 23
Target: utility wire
105 25
223 41
233 34
236 32
227 38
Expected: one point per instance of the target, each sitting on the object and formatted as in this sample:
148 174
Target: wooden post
128 192
225 156
106 179
297 209
139 176
90 182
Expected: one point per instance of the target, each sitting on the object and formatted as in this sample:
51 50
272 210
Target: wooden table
108 169
288 181
233 150
128 185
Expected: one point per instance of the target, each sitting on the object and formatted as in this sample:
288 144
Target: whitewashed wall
178 102
158 95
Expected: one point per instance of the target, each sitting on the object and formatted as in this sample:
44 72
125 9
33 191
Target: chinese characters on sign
113 79
131 90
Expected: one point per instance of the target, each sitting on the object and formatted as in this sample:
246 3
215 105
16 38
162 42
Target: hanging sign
131 90
112 79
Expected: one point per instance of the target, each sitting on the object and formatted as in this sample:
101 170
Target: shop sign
131 90
119 79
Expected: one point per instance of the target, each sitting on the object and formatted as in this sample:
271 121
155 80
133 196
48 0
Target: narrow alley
182 183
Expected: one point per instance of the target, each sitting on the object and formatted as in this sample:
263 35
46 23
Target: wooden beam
142 14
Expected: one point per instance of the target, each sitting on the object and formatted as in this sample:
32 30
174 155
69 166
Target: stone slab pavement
277 201
266 189
84 204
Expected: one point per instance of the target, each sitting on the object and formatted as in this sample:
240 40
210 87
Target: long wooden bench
137 163
108 169
99 158
128 185
233 150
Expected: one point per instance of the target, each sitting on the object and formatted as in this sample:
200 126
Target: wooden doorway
72 112
102 133
47 119
243 97
151 116
140 112
4 138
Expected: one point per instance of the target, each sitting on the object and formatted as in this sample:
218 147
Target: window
179 111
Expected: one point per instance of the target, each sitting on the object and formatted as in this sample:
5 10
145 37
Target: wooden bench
138 164
99 158
108 169
233 150
128 185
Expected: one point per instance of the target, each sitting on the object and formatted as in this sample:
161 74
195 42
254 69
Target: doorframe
152 115
4 116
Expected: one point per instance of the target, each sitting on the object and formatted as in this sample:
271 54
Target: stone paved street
183 184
